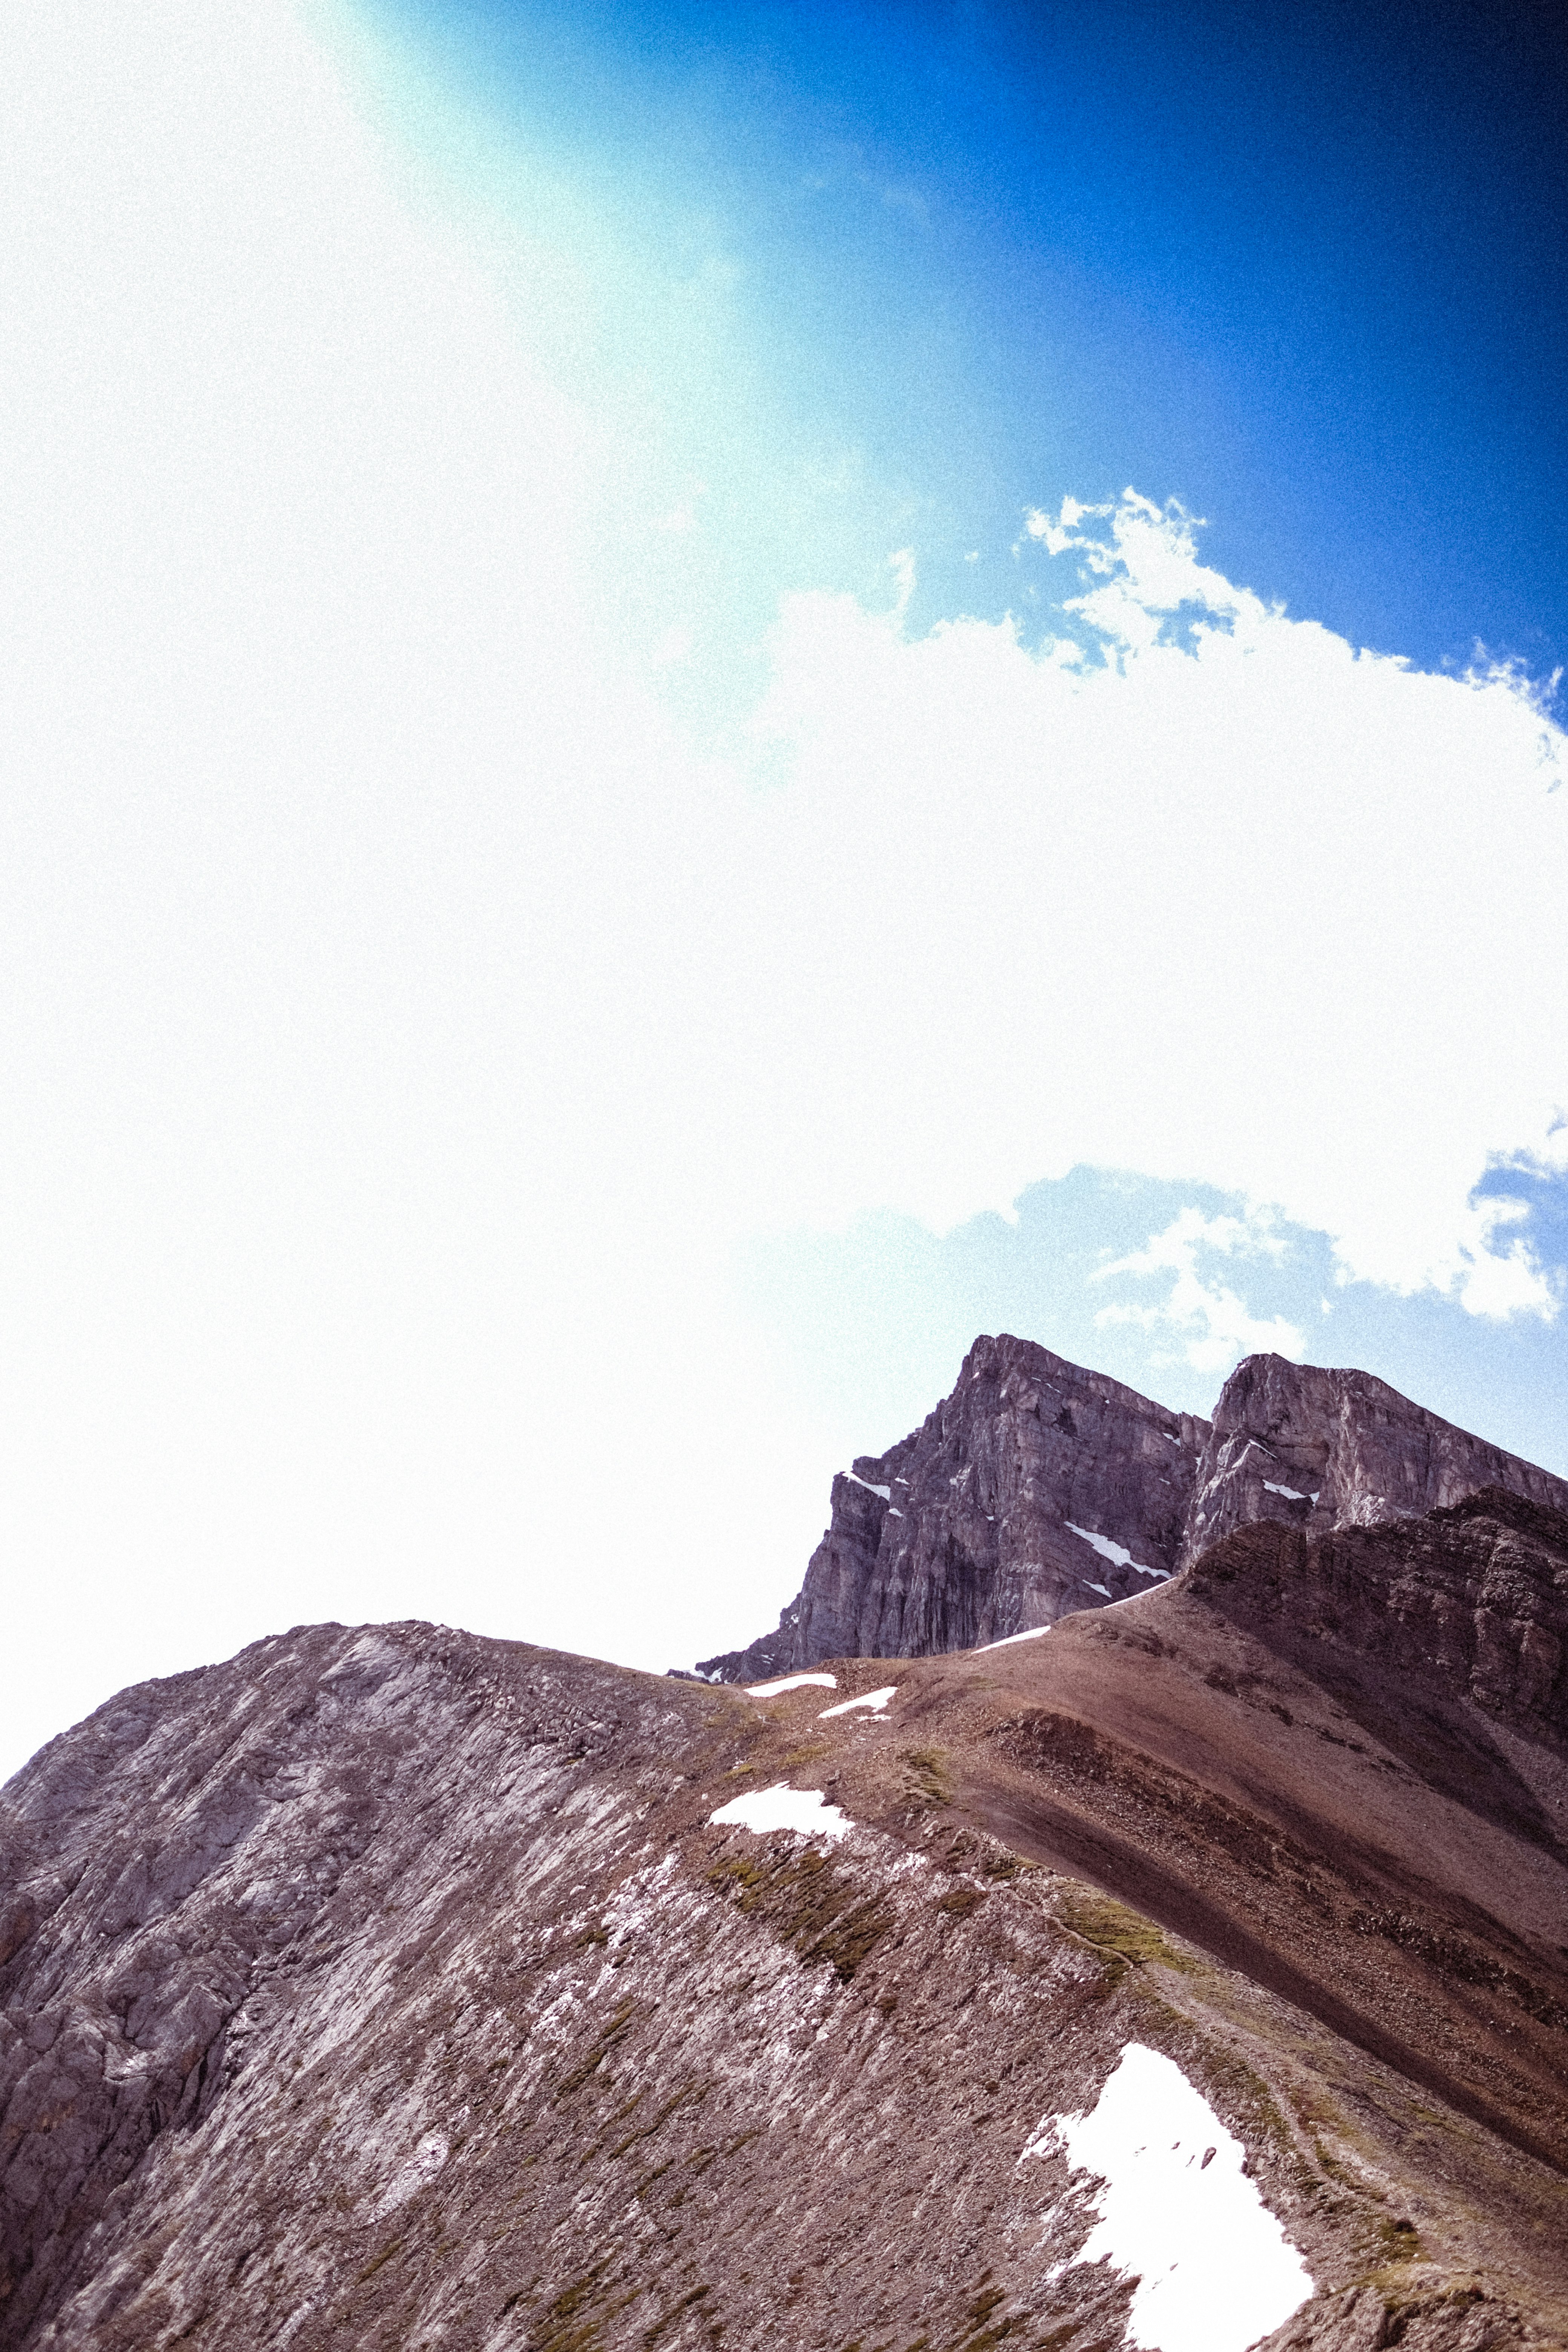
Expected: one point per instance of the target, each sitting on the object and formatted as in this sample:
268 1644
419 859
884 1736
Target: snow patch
1031 1635
1294 1492
1215 2270
1089 1585
789 1683
876 1701
869 1487
804 1810
1118 1554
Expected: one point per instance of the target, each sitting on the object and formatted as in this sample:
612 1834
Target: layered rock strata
1039 1489
1034 1489
1318 1449
1470 1601
391 1988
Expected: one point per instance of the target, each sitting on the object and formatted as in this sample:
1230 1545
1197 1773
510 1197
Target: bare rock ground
394 1988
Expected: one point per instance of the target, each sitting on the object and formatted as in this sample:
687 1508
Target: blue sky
698 700
880 1315
1298 267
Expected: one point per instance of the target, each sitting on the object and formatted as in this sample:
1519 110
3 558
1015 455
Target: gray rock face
1034 1489
1038 1490
389 1990
1318 1449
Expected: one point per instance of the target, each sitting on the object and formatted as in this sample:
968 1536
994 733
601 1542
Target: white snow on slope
1116 1553
1031 1633
1294 1492
1215 2270
876 1700
871 1486
788 1683
804 1810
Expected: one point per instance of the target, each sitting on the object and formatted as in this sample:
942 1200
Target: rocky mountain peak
1317 1448
1036 1488
1039 1489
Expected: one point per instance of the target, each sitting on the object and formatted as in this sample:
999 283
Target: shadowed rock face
1470 1601
389 1988
978 1526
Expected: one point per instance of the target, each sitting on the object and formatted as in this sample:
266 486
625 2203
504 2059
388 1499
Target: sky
696 701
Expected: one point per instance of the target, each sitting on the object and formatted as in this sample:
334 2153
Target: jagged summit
1036 1488
1039 1488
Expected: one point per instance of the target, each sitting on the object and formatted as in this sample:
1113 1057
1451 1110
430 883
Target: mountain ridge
1038 1488
391 1987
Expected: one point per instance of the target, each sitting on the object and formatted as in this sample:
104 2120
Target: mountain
1038 1490
1191 1975
1322 1449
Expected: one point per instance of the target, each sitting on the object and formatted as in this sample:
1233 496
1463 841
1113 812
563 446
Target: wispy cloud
1213 1326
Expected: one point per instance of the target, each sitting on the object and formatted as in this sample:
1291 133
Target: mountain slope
396 1988
1039 1489
1318 1449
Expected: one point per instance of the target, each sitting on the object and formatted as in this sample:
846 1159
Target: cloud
1185 885
1214 1325
1497 1278
405 1021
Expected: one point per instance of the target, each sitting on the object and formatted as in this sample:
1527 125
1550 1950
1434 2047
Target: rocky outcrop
1471 1601
1039 1489
1034 1489
1318 1449
387 1987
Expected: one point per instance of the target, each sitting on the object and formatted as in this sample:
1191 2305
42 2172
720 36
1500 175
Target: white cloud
1214 1326
1499 1277
402 1023
1251 907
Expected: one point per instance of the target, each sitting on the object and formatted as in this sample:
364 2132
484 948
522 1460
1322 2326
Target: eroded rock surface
1471 1601
984 1522
1318 1449
1039 1489
392 1988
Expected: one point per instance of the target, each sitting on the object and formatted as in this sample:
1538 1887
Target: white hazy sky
429 956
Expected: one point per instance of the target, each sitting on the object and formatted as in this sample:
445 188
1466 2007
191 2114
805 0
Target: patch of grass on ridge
1112 1926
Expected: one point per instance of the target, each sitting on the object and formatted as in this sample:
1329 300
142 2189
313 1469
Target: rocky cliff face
1038 1490
1471 1602
1318 1449
387 1989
